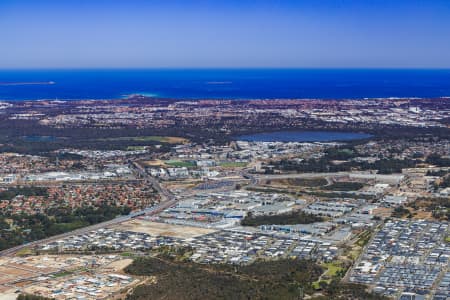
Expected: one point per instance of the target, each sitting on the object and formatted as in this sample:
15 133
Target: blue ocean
223 83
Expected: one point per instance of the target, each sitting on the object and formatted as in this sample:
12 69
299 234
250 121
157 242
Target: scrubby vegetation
346 291
344 186
438 160
261 280
438 173
400 212
280 279
18 229
339 194
298 217
31 297
444 183
12 192
325 164
303 182
438 206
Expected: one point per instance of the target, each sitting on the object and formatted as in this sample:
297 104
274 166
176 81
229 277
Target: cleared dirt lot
163 229
119 265
153 163
15 272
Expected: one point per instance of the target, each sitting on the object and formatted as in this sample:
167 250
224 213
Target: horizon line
221 68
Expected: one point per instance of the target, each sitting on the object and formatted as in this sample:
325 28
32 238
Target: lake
39 138
303 136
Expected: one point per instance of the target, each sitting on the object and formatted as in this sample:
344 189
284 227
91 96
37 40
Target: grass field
25 252
180 163
150 138
62 274
163 229
231 164
364 238
135 148
162 139
332 269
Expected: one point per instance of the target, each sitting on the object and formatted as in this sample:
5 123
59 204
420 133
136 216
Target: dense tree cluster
435 159
400 212
438 173
337 290
297 217
261 280
18 229
444 183
325 164
28 191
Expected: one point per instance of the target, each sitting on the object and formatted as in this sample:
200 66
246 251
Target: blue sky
233 34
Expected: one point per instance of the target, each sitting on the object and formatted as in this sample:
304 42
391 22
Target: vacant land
261 280
301 182
119 265
298 217
344 186
152 163
280 279
437 208
156 229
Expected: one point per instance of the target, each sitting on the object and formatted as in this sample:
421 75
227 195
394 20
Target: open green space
333 268
149 138
232 164
364 238
135 148
63 274
127 254
180 163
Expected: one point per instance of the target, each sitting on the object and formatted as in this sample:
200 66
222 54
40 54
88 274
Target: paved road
168 199
165 193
